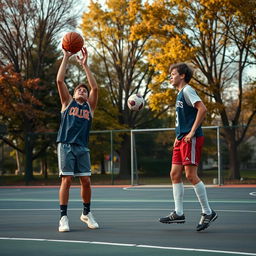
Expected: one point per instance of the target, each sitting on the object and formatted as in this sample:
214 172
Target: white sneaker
89 220
63 224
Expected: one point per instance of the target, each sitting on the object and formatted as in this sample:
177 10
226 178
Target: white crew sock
178 193
202 197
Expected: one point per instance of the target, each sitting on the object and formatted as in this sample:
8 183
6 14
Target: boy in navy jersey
72 139
187 147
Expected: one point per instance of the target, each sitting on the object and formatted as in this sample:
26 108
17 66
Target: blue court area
128 219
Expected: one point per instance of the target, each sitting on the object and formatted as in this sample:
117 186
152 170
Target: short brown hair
182 68
82 85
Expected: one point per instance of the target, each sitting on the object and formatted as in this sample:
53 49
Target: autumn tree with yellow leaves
121 62
218 39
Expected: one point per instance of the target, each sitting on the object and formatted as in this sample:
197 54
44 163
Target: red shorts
188 153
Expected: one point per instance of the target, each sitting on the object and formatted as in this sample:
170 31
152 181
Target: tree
29 38
219 42
18 108
121 62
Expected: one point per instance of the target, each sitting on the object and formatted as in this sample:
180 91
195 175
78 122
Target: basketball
72 42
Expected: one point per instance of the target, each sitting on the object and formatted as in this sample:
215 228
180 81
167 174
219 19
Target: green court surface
128 219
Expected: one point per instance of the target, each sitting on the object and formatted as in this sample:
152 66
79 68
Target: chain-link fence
140 156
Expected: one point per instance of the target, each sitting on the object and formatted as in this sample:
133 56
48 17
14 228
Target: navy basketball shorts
73 160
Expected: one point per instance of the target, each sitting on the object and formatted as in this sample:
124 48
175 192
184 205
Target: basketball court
128 219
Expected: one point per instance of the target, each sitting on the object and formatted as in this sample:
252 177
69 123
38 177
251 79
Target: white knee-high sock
178 193
202 197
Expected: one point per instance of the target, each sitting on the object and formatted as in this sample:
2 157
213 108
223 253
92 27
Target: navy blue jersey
75 124
186 112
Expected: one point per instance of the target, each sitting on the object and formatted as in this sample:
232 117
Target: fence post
111 157
219 159
132 169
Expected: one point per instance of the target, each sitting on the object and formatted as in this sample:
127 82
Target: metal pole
132 170
135 160
218 148
111 157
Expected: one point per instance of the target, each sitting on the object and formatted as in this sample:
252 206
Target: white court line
252 194
127 245
153 188
127 200
119 209
166 188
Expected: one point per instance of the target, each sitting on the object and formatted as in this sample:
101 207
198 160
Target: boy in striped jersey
187 147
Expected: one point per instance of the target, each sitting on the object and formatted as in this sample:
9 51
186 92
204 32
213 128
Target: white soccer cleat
89 220
63 224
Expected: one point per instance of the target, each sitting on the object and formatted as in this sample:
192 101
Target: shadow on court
128 219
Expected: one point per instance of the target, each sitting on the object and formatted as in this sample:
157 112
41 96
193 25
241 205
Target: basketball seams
72 42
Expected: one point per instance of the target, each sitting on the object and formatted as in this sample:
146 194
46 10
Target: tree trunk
234 163
102 165
125 157
44 168
18 171
28 159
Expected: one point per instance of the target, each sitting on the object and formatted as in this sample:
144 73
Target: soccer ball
135 102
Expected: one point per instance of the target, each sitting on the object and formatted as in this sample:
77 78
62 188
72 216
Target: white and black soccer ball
135 102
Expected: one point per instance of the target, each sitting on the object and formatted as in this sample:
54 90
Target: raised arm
64 94
93 97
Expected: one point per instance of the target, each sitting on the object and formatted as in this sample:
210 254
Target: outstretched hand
83 60
67 53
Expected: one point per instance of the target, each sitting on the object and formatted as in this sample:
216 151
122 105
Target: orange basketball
72 42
